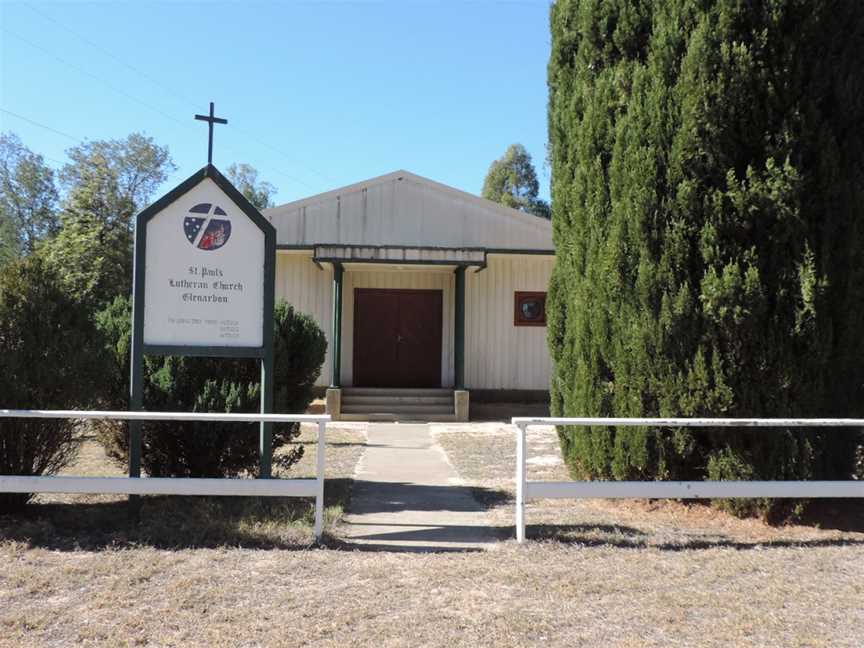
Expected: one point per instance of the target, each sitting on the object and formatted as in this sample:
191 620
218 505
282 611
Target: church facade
428 296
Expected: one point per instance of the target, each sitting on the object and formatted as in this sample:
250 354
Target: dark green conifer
708 211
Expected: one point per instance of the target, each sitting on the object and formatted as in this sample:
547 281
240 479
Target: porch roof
399 255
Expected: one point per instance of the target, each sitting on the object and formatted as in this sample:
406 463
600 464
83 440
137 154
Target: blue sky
318 95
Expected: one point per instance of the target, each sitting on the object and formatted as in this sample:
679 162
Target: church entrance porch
398 329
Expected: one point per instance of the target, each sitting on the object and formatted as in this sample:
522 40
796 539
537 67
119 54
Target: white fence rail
673 489
177 486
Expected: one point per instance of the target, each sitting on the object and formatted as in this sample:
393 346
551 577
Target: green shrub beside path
182 384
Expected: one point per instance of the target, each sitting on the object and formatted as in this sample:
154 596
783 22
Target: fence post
520 482
319 485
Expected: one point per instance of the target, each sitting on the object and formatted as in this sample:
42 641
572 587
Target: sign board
204 284
204 271
205 262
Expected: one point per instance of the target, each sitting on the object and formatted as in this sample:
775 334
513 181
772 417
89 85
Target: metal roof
404 209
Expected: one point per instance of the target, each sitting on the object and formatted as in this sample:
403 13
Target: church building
429 296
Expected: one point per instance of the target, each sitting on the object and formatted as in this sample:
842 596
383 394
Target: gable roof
404 209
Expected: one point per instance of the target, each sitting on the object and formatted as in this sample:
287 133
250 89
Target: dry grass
630 574
485 457
545 593
95 521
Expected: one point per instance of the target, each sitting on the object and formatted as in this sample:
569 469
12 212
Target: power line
92 76
35 123
275 150
173 92
107 53
80 141
58 132
112 87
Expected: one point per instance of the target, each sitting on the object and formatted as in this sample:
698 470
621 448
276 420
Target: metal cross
211 119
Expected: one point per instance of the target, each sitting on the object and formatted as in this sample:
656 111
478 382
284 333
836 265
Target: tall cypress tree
708 213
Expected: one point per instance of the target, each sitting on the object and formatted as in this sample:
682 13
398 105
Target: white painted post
520 481
319 486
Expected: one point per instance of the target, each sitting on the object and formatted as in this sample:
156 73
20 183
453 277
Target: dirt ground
484 454
595 573
545 594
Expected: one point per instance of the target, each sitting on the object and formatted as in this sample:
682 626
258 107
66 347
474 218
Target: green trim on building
459 330
336 334
311 247
402 262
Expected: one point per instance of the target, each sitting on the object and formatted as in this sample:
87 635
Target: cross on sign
211 119
204 229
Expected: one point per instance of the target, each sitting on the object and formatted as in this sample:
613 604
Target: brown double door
397 338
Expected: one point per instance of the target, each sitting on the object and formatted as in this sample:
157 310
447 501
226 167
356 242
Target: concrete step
393 391
396 404
401 418
352 399
421 409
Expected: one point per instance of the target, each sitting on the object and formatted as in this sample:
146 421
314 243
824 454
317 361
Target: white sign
204 273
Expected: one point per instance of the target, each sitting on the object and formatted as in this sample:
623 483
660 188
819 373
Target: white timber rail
673 489
176 485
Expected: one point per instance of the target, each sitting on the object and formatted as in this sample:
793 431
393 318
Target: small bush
51 357
181 384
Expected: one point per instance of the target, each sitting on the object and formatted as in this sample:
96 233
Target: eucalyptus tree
107 182
512 181
28 199
245 178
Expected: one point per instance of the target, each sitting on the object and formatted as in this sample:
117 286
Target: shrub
51 357
115 325
216 449
707 191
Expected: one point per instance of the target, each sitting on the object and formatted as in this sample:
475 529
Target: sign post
204 285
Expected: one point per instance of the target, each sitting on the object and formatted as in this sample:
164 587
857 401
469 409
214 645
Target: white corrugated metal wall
308 289
499 355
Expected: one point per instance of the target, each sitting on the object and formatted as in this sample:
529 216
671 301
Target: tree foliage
707 195
28 199
107 182
10 248
245 178
50 358
512 181
124 173
186 449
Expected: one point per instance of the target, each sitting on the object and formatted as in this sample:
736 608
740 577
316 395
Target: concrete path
408 497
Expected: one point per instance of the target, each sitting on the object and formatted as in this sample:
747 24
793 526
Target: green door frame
336 323
459 330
